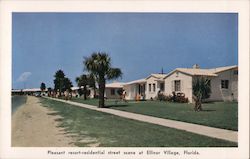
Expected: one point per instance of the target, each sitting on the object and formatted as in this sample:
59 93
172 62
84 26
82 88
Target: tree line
97 70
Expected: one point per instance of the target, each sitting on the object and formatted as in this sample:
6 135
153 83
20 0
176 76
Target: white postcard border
7 7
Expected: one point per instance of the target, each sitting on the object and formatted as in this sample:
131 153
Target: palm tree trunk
85 93
101 92
94 92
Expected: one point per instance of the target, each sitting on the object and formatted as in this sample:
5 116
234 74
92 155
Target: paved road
194 128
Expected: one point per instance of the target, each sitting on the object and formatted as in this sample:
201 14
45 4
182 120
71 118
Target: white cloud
24 77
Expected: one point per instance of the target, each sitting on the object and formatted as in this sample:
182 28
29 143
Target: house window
177 85
112 91
154 87
235 72
224 84
162 87
149 87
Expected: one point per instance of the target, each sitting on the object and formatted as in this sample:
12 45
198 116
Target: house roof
159 76
221 69
202 72
114 85
136 81
193 72
16 90
32 90
198 72
74 88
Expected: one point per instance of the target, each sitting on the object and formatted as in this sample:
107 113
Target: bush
179 98
161 97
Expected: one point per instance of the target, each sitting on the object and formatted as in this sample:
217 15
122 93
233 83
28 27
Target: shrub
179 98
161 97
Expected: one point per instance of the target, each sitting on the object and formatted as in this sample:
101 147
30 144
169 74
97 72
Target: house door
141 89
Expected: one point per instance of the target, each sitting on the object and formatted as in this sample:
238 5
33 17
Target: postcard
123 79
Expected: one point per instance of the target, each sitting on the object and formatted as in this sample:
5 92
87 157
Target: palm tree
99 64
82 81
201 91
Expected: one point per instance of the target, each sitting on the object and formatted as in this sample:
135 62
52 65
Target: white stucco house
147 88
154 84
111 90
75 92
223 81
135 89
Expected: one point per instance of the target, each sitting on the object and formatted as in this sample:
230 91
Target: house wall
186 84
152 94
221 94
92 93
131 91
75 93
109 95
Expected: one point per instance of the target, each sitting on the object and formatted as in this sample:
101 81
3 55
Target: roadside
194 128
32 126
213 114
101 129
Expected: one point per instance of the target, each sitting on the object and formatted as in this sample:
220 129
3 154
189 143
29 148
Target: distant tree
99 64
67 84
42 86
49 91
201 91
82 81
59 81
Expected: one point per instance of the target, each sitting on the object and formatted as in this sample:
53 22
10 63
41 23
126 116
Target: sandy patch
33 127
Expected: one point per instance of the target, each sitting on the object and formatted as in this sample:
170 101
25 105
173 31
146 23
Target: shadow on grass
59 119
54 113
208 102
62 126
114 105
207 110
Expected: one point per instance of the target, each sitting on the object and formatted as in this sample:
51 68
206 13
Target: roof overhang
141 81
192 74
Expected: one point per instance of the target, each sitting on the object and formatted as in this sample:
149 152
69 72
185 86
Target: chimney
196 66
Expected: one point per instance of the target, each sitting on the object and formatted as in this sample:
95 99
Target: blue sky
138 43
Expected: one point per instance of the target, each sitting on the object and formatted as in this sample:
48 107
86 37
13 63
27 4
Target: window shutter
172 84
181 85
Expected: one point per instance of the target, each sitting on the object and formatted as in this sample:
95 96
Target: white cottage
154 84
225 85
223 80
111 90
147 88
135 89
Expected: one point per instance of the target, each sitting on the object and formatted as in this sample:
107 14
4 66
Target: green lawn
219 114
101 129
